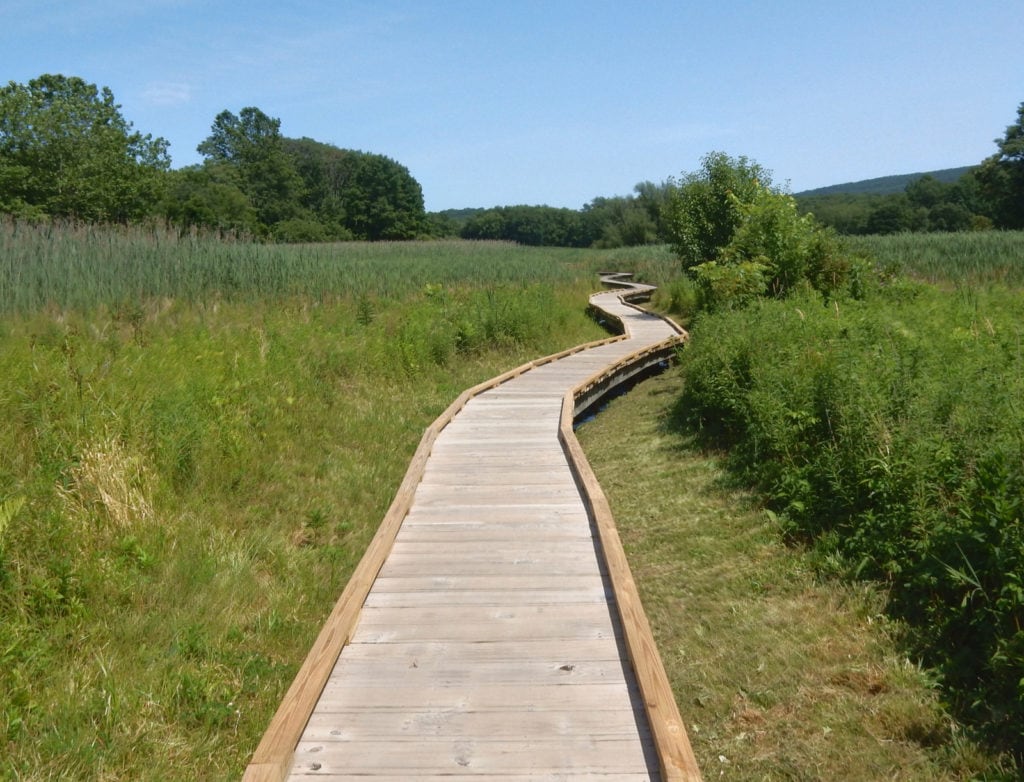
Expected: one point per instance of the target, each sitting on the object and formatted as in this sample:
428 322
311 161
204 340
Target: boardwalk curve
493 630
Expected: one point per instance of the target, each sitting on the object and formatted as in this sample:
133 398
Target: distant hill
887 184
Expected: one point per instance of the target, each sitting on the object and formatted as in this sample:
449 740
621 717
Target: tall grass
79 266
190 471
779 674
890 433
961 258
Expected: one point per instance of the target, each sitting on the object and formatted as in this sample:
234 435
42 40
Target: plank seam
274 756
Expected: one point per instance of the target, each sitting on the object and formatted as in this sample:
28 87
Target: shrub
741 238
702 211
888 434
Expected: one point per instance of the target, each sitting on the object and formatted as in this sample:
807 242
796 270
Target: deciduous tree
251 143
358 194
66 150
703 208
1001 177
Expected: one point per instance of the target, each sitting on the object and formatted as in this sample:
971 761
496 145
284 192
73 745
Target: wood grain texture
483 635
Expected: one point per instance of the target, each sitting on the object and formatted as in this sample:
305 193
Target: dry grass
778 675
110 486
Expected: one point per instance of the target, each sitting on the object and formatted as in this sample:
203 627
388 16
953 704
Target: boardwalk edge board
273 758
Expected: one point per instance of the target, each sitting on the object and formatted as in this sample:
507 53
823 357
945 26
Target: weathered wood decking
493 630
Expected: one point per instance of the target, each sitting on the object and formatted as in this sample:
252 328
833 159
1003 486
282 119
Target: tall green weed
889 432
186 483
967 258
70 266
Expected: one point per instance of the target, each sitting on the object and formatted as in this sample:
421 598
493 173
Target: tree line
616 221
66 151
989 195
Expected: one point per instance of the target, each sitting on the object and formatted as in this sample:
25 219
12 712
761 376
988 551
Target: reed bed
978 258
200 439
79 266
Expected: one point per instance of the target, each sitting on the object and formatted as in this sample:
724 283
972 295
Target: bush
888 434
740 238
702 211
729 284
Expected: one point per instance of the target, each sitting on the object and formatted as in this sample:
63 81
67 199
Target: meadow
202 435
200 439
968 258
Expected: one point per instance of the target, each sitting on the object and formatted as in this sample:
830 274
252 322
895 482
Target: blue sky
556 102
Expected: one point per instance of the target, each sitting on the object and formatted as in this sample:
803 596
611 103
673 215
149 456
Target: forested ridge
885 185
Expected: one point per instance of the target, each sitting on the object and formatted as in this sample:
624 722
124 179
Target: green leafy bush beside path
891 434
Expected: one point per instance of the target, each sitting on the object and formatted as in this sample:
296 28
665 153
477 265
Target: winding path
492 631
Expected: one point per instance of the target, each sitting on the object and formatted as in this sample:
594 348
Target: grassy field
189 476
979 258
200 439
80 267
778 674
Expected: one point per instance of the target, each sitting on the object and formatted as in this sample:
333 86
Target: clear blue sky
555 102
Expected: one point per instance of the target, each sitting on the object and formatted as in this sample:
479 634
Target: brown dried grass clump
110 486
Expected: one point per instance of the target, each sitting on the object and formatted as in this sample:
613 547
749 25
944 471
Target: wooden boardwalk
497 635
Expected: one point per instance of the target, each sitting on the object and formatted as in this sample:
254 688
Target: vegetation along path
492 630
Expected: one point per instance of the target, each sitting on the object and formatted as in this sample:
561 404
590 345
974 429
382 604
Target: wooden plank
511 520
589 697
454 622
501 571
548 533
550 725
539 494
472 652
459 757
490 597
498 567
495 629
504 514
568 671
496 473
494 454
511 548
498 426
426 776
469 584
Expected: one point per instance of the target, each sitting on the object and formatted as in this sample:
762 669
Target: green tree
773 249
209 196
326 171
949 216
382 200
703 209
895 214
740 238
927 192
251 143
547 226
621 221
847 213
358 194
654 200
1001 177
66 150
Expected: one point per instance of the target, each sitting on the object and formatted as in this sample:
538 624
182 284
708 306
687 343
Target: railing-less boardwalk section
492 631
